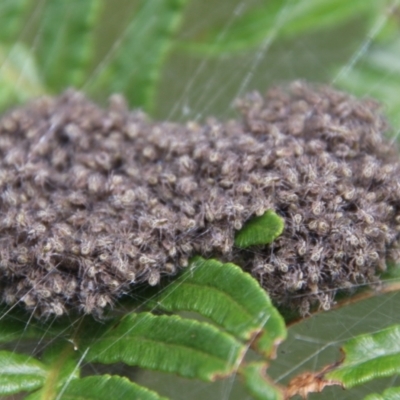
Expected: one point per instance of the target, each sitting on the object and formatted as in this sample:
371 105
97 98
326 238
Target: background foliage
184 59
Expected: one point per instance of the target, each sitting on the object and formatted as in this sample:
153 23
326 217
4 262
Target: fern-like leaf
273 19
229 297
134 67
170 344
66 43
388 394
376 76
20 373
260 230
258 384
103 387
368 357
13 14
14 327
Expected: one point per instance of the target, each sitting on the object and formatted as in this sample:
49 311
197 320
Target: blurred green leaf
106 387
260 230
273 19
368 357
19 77
135 65
12 330
258 384
20 373
388 394
228 296
377 75
66 43
15 326
13 14
60 359
170 344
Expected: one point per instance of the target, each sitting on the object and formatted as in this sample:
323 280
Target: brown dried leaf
310 382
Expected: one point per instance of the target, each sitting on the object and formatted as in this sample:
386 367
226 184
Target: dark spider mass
95 201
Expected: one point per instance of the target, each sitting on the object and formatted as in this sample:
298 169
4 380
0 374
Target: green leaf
66 42
106 387
62 361
388 394
376 75
311 15
228 296
62 369
15 325
272 19
12 16
258 384
19 77
368 357
12 329
134 67
20 373
170 344
260 230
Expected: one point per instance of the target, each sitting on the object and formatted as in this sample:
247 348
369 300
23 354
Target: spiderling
95 201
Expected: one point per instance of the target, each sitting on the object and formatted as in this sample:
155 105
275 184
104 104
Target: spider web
197 88
194 88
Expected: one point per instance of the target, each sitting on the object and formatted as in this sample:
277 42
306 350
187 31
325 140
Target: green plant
240 315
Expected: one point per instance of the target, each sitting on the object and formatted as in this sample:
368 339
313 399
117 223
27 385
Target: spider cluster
95 201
